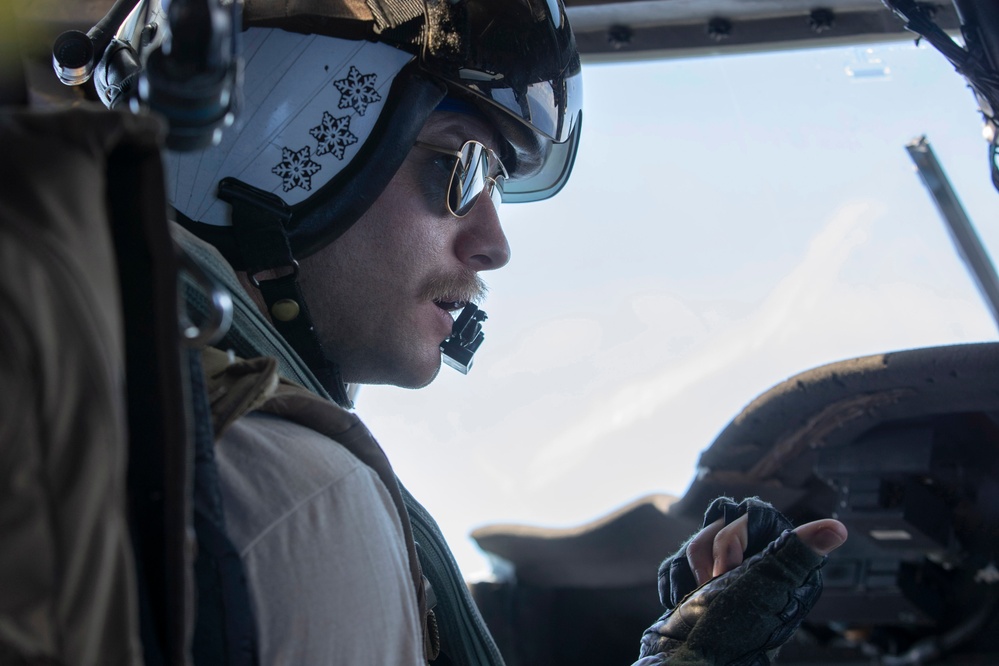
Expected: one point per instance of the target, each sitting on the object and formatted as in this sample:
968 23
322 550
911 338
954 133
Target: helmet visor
520 55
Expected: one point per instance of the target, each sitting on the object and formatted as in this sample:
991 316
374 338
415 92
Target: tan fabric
259 10
308 409
67 588
237 387
349 19
322 545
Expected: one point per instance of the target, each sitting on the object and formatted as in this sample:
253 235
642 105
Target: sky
731 221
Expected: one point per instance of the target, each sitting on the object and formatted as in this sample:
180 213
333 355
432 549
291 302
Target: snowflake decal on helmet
357 90
296 169
333 135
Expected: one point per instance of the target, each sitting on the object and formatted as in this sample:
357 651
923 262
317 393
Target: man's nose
481 244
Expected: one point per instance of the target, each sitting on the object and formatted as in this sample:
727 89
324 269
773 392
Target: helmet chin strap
259 220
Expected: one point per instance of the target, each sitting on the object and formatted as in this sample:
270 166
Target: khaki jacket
67 584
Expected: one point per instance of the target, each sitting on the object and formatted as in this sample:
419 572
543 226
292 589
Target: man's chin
408 376
423 379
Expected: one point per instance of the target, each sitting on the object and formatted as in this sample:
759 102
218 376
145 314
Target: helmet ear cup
328 123
330 212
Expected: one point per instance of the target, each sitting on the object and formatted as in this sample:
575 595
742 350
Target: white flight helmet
334 96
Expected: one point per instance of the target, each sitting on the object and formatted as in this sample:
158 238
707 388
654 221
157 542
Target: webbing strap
259 222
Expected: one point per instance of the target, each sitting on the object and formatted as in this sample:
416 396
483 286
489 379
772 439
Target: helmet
336 92
334 96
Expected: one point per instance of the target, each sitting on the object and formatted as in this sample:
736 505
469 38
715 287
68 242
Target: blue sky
731 221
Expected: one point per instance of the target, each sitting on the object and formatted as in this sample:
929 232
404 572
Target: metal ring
293 266
219 314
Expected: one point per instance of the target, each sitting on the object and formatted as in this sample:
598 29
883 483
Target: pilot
356 201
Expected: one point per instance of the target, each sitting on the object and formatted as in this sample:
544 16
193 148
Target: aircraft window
731 221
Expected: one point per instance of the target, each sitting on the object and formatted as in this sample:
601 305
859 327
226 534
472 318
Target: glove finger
765 524
676 579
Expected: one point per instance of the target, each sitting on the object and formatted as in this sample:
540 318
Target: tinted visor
520 55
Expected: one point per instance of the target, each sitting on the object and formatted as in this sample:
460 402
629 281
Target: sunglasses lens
470 177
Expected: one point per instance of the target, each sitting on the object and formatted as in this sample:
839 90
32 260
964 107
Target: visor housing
520 58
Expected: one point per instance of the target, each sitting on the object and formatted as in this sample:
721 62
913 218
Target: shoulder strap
225 632
465 639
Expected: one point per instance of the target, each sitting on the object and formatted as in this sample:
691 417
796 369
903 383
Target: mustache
466 288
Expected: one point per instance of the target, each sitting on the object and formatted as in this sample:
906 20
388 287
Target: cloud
808 284
573 338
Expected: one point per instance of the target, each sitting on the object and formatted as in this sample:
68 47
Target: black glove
676 579
744 616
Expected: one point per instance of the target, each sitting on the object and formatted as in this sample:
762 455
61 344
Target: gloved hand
742 617
765 524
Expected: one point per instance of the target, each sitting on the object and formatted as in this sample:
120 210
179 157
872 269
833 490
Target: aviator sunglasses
477 169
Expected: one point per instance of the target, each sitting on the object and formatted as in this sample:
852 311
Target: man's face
379 295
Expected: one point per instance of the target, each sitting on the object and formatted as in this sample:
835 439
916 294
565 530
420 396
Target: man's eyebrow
463 129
